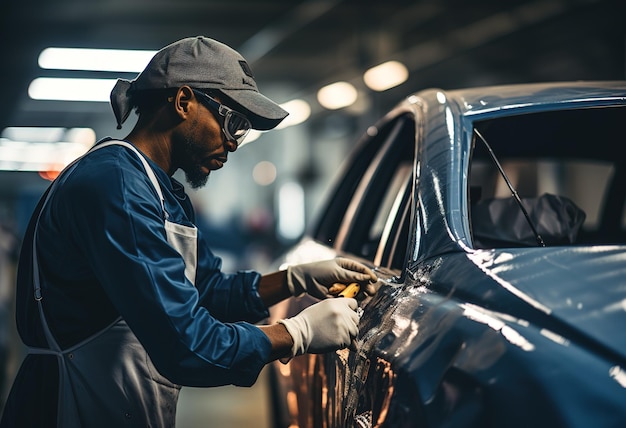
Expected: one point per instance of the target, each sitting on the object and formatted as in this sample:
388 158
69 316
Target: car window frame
387 243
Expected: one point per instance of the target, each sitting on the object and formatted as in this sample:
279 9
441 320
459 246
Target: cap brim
263 113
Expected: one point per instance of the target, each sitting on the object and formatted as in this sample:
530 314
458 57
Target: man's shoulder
105 169
113 159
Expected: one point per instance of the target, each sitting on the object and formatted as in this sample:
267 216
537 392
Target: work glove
316 278
328 325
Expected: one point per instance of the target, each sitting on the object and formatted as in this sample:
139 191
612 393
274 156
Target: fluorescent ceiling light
43 148
131 61
337 95
33 134
25 156
49 134
64 89
386 75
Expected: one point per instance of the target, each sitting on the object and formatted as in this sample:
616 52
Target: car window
391 200
384 230
393 243
376 194
566 168
332 215
386 176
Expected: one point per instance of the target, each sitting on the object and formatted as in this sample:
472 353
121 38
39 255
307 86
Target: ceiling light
131 61
337 95
299 111
252 135
25 156
33 134
49 134
43 148
386 75
264 173
63 89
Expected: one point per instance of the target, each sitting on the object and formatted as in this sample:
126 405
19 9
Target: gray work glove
327 325
317 277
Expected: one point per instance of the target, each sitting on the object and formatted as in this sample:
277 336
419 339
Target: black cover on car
500 222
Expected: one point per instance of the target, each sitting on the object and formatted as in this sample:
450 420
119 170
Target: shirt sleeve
116 215
228 297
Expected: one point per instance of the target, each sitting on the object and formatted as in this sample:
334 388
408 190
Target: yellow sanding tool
350 291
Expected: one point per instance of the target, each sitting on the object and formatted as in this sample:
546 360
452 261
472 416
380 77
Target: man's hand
325 326
317 277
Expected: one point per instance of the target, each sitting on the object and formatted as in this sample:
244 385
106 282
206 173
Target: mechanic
119 299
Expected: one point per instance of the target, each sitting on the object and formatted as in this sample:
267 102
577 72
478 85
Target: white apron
108 380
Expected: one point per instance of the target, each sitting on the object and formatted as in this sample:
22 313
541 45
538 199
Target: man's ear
182 100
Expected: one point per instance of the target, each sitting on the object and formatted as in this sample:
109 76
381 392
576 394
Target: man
119 298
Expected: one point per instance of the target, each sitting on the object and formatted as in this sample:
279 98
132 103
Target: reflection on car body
486 317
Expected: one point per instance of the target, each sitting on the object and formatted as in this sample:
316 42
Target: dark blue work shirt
103 253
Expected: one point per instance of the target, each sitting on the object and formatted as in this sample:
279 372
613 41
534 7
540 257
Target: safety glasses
234 124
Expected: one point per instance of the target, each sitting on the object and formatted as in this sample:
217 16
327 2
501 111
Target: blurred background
336 65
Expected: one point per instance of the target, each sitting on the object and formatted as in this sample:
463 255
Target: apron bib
108 379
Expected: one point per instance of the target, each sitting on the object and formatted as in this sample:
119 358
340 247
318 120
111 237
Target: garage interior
295 48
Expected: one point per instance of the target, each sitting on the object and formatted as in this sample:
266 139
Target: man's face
204 148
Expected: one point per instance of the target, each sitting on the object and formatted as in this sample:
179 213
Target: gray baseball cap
202 63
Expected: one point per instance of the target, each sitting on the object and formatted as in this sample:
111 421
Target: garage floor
225 407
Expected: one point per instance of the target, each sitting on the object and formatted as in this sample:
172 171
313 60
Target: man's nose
230 145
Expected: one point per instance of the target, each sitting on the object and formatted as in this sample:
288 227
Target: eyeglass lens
237 125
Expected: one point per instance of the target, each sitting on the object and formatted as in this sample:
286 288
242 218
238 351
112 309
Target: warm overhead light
386 75
65 89
131 61
337 95
264 173
299 111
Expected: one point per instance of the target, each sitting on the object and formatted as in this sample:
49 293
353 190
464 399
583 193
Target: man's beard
194 174
196 178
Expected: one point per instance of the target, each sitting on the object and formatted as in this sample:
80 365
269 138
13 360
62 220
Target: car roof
482 100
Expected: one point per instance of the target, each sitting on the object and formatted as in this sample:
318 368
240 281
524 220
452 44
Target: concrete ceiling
296 46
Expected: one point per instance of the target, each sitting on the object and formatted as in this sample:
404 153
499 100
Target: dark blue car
495 218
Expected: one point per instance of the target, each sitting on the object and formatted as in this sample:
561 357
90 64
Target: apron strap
52 343
149 172
146 166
